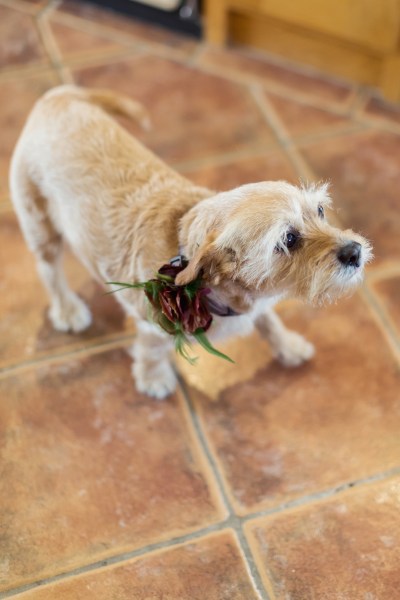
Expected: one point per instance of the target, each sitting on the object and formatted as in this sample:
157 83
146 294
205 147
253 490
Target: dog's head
269 239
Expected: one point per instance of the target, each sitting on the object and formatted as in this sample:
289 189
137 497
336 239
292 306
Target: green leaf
166 278
123 286
127 285
201 337
165 323
153 288
181 347
192 288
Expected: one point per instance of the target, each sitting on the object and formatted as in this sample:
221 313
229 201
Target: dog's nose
350 254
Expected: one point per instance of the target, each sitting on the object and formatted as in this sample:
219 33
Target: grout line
255 151
330 132
382 318
113 34
251 563
192 60
235 521
260 562
278 89
383 272
303 170
92 28
349 108
80 60
89 350
49 7
246 552
120 558
52 50
26 71
377 123
48 40
339 108
359 102
101 58
318 496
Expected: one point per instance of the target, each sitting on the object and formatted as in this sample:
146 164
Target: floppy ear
196 264
213 261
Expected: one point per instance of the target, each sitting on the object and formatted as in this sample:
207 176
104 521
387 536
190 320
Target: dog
77 176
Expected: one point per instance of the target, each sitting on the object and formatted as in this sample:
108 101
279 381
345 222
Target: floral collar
181 310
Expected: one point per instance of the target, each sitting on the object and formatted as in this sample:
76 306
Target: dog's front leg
152 369
289 347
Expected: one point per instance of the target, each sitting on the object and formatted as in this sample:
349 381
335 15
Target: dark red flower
173 268
179 310
197 315
183 306
190 311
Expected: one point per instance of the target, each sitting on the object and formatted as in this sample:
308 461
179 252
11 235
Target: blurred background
252 481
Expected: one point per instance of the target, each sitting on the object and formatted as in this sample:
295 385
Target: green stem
201 337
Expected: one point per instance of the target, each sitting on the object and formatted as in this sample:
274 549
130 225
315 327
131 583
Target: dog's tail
109 101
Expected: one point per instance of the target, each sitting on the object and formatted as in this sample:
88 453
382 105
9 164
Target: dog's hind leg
67 311
289 347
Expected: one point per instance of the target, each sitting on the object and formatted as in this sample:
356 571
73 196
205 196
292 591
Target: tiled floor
252 481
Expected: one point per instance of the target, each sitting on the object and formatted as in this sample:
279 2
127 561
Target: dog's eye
321 211
291 239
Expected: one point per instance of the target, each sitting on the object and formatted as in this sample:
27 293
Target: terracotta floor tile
92 469
282 434
16 100
364 169
272 165
388 291
347 547
139 31
301 119
204 114
74 43
25 331
211 568
19 39
249 65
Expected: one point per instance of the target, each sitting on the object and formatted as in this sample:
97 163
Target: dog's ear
215 263
197 263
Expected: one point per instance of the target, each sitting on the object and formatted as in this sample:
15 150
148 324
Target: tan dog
78 176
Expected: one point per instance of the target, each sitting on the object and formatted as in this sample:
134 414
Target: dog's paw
73 315
296 350
157 381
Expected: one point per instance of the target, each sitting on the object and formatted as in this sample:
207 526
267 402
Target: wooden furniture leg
216 22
